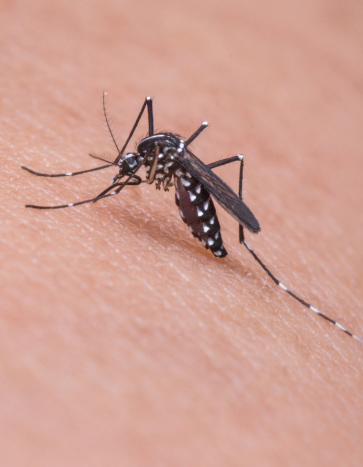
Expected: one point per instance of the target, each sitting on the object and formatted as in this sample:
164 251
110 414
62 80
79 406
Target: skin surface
123 341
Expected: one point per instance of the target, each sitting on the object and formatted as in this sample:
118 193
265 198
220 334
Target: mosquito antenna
100 159
303 302
108 123
68 174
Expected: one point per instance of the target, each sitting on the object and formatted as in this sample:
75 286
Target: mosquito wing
225 196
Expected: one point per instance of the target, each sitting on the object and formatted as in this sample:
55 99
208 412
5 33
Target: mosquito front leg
131 180
148 103
195 134
67 174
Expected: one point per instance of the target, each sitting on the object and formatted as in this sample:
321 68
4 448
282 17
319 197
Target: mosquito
169 162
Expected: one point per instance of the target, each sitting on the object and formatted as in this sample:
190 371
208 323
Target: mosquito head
129 162
127 165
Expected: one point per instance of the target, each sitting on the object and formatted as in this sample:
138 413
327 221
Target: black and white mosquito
168 162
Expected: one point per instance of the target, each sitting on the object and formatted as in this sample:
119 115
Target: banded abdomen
197 210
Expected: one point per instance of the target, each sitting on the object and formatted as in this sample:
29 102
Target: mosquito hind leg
237 158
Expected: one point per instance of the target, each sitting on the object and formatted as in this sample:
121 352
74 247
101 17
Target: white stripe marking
247 245
185 182
282 286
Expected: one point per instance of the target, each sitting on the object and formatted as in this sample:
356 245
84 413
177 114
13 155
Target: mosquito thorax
165 142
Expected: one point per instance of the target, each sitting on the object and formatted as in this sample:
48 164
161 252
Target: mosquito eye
131 160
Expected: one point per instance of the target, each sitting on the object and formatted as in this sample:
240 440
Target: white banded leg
147 103
303 302
67 174
105 194
238 158
277 282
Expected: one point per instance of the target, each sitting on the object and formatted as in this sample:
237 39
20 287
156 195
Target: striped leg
303 302
67 174
237 158
276 281
117 187
147 103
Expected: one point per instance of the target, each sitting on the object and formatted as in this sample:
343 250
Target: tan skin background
123 341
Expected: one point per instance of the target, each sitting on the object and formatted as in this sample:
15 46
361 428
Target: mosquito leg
61 206
129 182
148 104
68 174
237 158
264 267
213 165
150 115
197 133
104 194
303 302
240 227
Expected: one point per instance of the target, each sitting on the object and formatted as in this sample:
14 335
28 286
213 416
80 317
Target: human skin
125 342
